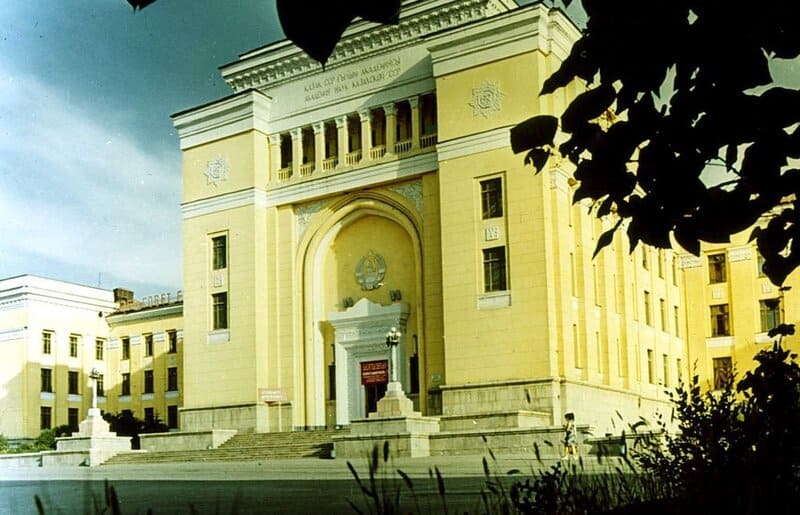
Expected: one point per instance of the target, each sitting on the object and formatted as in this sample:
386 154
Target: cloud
76 189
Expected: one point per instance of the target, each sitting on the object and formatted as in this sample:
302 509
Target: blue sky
90 177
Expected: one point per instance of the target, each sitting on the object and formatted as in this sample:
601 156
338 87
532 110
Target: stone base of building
244 418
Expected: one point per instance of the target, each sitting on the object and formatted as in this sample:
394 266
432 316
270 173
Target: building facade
53 334
324 207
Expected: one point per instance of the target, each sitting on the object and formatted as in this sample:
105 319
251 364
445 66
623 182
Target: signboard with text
374 372
272 395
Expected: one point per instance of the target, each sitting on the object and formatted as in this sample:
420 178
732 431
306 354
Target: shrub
3 443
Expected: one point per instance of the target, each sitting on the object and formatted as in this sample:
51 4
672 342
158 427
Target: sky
90 165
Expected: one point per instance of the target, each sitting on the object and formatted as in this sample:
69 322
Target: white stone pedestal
94 436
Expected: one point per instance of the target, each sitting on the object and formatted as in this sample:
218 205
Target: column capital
296 133
318 127
275 139
389 109
341 121
414 101
365 114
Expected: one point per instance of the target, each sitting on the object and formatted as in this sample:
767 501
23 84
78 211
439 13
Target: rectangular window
645 258
73 382
679 369
126 384
220 310
45 417
662 308
720 324
72 419
126 347
677 316
47 342
576 347
172 337
149 414
99 347
651 371
47 380
148 381
660 264
172 417
717 270
770 313
73 346
148 344
172 379
723 368
648 316
674 270
494 269
492 198
572 275
101 389
665 364
219 246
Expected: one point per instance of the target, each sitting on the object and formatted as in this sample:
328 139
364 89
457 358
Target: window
149 414
679 368
413 371
677 316
126 384
648 318
47 380
665 363
45 417
172 337
101 391
219 250
73 346
760 264
494 269
674 270
660 264
172 417
651 371
72 382
99 347
47 342
126 347
576 347
72 419
723 369
492 198
332 381
572 275
148 344
717 272
172 379
220 310
662 308
645 258
720 325
148 381
770 313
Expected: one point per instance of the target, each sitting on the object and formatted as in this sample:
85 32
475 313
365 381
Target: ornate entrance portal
362 355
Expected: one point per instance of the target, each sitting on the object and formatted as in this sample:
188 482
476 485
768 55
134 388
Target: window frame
73 382
717 268
148 344
45 413
125 344
491 198
714 319
46 380
219 252
220 311
125 385
172 379
489 269
172 341
717 376
149 381
47 342
766 313
99 349
73 345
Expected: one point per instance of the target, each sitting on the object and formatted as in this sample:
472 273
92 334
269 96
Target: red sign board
375 372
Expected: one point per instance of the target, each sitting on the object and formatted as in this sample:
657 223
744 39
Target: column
391 127
415 122
319 145
366 134
297 151
274 157
341 139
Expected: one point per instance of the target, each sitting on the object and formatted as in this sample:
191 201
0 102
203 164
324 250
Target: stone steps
245 447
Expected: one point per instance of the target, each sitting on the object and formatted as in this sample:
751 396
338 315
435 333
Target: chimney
123 296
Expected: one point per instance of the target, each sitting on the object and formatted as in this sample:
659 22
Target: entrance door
374 393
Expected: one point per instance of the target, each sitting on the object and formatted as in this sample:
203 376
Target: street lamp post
392 339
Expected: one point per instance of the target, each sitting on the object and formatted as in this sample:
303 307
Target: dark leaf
140 4
533 133
587 106
782 330
538 158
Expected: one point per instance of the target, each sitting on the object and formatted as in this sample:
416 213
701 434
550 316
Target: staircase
244 447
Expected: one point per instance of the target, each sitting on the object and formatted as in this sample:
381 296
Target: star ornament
486 98
217 170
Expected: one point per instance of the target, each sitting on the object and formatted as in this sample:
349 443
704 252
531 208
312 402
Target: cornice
248 197
280 63
245 111
475 143
144 314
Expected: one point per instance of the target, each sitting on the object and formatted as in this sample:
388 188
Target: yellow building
323 207
52 334
731 306
145 358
